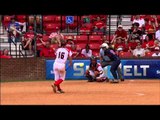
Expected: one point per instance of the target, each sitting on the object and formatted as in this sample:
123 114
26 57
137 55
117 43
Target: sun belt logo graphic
158 71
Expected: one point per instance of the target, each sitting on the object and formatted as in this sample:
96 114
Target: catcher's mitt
96 73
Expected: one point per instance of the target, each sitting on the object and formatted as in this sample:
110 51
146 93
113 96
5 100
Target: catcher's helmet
93 58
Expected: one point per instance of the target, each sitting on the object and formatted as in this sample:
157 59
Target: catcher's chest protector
94 67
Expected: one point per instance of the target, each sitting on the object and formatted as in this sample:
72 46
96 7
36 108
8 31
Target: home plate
131 80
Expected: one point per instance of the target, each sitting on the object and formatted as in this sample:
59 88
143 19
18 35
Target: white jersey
62 55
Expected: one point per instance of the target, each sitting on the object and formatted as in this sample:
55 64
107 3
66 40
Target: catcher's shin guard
90 78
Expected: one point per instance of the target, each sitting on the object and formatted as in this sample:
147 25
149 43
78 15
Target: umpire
108 57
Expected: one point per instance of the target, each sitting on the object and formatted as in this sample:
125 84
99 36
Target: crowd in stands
5 54
141 40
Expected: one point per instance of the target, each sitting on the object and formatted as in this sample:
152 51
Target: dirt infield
129 92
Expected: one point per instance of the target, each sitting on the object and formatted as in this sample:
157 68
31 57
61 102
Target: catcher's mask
93 60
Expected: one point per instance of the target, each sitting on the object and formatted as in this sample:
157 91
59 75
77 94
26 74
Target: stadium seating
82 39
95 39
21 18
49 18
51 27
95 46
58 18
81 46
125 54
6 20
95 53
73 26
148 54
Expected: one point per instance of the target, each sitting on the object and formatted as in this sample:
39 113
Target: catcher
95 71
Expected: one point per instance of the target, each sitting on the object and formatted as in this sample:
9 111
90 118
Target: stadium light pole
35 29
109 27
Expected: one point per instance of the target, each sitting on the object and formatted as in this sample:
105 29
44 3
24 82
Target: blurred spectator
120 33
69 42
99 25
152 27
119 44
85 29
136 33
132 45
14 30
103 17
104 38
5 54
157 34
139 51
40 44
139 20
28 40
47 51
55 37
145 42
87 52
75 52
157 43
146 26
86 19
156 52
22 19
150 45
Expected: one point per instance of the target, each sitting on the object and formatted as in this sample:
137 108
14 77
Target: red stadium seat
77 18
125 54
63 26
95 39
82 39
95 46
59 18
6 20
95 53
51 27
21 18
73 26
149 54
111 37
63 19
49 18
81 46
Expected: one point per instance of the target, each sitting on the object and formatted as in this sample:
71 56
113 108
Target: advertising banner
131 69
